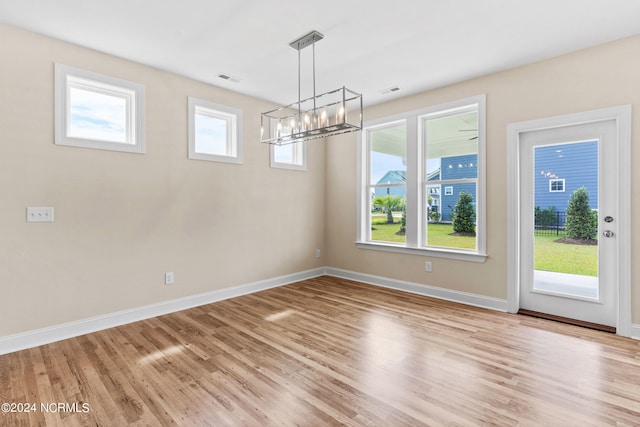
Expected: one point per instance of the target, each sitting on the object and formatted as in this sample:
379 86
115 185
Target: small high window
289 156
214 132
97 111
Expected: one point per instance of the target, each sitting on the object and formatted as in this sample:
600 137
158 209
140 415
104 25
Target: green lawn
549 255
564 258
384 232
438 234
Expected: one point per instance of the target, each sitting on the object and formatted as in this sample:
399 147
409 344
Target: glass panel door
565 232
568 228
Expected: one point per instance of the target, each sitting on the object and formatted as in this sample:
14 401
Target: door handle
607 233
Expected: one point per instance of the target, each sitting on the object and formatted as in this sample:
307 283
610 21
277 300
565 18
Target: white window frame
233 118
416 182
551 181
67 77
448 190
299 157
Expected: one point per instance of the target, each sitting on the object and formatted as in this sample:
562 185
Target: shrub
434 216
403 221
545 217
582 222
464 214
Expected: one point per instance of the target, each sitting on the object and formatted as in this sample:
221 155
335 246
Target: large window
96 111
214 132
387 178
422 182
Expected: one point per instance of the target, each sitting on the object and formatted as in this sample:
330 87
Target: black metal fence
550 223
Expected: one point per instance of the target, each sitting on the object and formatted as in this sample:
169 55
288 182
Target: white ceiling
369 46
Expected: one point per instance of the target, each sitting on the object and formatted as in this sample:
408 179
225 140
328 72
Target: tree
464 214
388 204
582 222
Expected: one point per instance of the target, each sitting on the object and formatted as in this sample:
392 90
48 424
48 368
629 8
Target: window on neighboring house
97 111
214 132
556 185
436 147
289 156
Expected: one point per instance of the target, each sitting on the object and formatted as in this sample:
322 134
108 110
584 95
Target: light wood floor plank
329 351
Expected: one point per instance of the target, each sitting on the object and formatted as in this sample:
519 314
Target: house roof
434 175
393 177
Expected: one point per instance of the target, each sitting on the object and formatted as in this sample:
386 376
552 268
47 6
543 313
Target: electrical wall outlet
427 266
39 214
318 253
168 278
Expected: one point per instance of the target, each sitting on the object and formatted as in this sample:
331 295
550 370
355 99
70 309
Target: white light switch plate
39 214
168 278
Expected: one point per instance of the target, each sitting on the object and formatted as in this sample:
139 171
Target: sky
211 135
97 116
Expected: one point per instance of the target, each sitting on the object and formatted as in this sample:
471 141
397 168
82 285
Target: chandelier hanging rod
299 44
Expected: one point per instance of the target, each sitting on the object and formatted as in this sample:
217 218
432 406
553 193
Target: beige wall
600 77
122 220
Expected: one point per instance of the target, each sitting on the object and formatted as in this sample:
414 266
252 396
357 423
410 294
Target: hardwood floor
328 351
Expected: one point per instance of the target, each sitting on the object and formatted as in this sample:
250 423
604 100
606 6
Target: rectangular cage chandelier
330 113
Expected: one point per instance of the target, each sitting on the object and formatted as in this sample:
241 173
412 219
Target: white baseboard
420 289
11 343
635 332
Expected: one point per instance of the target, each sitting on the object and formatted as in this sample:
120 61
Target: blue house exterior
392 177
443 196
456 167
561 169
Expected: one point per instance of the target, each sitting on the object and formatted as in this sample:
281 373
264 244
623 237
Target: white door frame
622 116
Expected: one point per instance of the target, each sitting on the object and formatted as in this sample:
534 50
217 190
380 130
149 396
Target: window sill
431 252
216 158
289 166
99 145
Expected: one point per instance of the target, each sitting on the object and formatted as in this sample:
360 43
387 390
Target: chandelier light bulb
340 116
